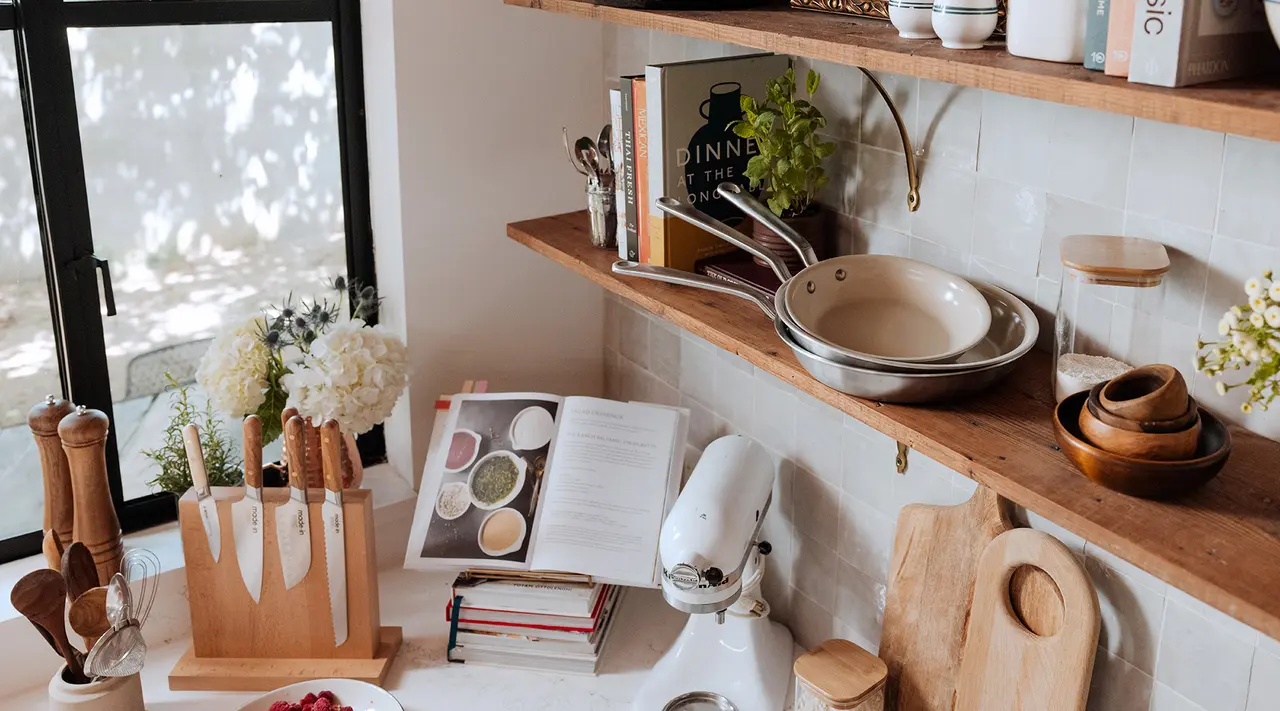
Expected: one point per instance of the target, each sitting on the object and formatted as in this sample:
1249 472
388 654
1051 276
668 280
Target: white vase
912 18
1052 30
1273 18
964 24
114 694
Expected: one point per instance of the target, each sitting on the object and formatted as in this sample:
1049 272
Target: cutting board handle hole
1036 601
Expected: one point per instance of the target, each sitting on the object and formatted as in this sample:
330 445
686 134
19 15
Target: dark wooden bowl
1162 446
1152 392
1175 425
1138 477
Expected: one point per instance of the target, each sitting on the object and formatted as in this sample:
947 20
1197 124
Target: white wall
471 134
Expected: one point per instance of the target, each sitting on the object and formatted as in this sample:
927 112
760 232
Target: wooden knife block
288 635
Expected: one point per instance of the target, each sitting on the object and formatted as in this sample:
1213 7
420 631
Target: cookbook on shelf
526 481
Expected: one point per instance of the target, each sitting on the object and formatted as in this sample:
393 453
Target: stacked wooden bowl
1143 434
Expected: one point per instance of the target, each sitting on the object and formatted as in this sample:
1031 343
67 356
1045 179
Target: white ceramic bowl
356 694
475 450
524 531
891 308
913 18
540 426
964 24
455 485
1273 18
521 467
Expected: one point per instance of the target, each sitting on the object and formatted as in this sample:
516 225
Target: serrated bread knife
293 518
247 513
335 549
200 481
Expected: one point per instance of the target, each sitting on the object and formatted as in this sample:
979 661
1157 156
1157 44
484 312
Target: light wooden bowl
1152 392
1138 477
1160 446
1192 415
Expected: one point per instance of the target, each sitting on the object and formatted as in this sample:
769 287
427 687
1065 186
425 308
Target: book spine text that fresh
629 172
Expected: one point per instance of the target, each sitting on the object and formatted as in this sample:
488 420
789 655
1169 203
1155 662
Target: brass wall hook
913 177
901 460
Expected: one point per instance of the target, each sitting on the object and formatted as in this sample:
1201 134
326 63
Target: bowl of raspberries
326 695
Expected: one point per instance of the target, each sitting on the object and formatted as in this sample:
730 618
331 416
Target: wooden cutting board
1008 668
935 563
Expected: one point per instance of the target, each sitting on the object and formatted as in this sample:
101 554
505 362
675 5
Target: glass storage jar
1110 309
839 674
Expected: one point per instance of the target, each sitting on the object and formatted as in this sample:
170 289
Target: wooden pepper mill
84 438
59 506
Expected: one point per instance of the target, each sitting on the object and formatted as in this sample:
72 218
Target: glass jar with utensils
1110 309
593 158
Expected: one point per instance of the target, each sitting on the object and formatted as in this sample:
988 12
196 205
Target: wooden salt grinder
59 506
84 437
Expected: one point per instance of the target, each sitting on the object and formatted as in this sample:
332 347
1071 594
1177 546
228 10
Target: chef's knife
335 549
247 514
208 507
293 518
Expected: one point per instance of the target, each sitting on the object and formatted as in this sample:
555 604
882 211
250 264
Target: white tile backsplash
1004 180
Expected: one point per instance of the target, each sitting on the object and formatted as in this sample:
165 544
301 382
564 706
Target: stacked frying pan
875 326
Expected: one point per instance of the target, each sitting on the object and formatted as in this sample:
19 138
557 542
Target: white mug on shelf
964 24
913 18
1052 30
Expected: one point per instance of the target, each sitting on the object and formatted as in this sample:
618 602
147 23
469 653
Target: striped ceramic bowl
964 24
913 18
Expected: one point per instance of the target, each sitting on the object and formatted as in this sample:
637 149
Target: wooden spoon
78 570
53 550
88 616
41 597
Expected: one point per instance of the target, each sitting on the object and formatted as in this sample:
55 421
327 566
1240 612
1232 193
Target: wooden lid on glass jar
1114 260
841 673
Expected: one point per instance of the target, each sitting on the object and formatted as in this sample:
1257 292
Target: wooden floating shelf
1247 107
1221 544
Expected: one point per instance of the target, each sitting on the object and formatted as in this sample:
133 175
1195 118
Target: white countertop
421 678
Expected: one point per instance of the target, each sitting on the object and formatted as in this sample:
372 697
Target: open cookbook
524 481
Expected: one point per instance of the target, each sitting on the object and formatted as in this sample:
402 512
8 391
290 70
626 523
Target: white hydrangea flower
1243 341
1246 408
354 374
1258 304
1220 387
1223 327
1236 311
233 372
1231 318
1257 319
1273 344
1257 287
1274 291
1272 315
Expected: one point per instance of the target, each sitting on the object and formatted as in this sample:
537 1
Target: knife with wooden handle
247 513
200 480
293 518
335 549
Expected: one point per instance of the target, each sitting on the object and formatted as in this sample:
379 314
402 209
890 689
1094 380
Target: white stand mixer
712 566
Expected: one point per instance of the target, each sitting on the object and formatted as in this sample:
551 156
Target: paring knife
208 507
247 513
293 518
335 549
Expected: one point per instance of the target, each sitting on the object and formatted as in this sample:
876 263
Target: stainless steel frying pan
879 385
802 302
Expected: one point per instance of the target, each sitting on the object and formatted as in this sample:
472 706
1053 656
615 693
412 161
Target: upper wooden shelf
1221 545
1249 107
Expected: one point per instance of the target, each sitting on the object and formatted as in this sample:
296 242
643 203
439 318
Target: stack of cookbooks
544 622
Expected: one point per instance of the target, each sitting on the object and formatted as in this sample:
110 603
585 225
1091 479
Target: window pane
211 157
28 355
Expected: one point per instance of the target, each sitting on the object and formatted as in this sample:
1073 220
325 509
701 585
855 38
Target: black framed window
186 160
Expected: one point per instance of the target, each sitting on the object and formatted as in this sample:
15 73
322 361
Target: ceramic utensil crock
964 24
114 694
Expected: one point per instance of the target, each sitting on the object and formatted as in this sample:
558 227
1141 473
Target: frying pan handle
697 217
747 202
758 296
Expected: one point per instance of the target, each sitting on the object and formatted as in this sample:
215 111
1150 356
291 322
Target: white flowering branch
1252 341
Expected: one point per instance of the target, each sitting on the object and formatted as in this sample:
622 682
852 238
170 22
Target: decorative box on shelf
876 9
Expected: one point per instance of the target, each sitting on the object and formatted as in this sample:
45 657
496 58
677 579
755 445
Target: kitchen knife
247 514
208 507
335 549
293 518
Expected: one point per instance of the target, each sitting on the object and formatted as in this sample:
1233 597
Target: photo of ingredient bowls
453 501
532 428
496 479
502 532
463 448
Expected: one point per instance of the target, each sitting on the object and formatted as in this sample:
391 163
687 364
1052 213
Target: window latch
108 294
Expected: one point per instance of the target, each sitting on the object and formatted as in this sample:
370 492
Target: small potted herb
220 461
789 168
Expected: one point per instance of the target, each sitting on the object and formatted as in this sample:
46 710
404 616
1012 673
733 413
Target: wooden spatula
41 597
53 550
88 616
79 570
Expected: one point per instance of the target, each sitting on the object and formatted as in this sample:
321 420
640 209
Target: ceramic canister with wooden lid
84 438
839 674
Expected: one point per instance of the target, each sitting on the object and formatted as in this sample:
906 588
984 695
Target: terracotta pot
811 225
115 694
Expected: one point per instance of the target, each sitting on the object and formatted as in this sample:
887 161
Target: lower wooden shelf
1221 544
